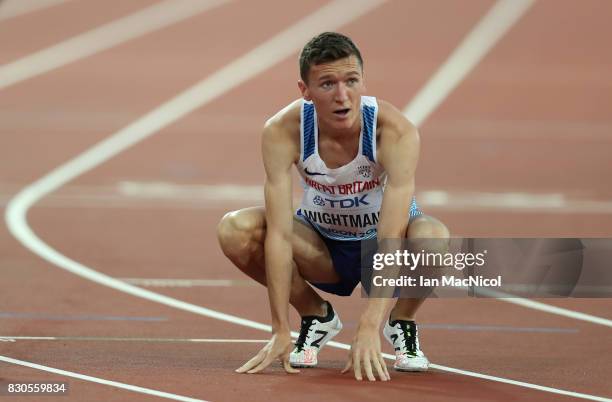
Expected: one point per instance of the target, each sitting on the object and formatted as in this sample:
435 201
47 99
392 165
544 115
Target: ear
304 90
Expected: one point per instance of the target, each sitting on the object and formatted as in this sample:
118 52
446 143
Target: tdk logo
343 203
318 200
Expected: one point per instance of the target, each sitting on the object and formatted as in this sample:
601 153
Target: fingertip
291 370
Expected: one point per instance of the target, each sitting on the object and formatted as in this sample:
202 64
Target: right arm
280 151
278 157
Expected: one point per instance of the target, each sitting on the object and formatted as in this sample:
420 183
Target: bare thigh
310 253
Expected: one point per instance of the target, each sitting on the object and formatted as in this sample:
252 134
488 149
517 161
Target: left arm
398 154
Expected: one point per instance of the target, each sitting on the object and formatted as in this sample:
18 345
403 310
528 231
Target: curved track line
264 56
333 15
115 384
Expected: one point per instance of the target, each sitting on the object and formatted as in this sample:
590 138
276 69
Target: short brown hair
326 47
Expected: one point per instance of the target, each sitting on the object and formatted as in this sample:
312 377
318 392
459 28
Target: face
335 88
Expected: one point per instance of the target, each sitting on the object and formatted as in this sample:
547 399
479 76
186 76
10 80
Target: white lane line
332 15
520 384
219 192
157 194
15 8
125 339
547 308
535 305
490 29
115 384
104 37
515 201
187 283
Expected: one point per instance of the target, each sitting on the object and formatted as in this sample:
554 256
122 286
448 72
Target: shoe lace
304 330
410 340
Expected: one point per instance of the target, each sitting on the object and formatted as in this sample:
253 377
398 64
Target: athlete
357 157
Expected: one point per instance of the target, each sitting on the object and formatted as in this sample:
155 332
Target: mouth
342 112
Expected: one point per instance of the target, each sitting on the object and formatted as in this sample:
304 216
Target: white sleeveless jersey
342 203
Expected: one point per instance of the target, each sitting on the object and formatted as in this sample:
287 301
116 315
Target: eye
352 81
326 84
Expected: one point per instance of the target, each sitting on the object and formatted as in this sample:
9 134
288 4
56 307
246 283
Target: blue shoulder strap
368 131
309 129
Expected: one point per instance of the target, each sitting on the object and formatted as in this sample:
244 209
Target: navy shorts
346 257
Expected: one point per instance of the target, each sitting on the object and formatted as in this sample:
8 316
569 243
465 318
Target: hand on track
278 347
365 353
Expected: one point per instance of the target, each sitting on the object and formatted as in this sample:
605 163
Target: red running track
531 118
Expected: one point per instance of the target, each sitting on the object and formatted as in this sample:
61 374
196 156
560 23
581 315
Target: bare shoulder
394 127
398 140
281 133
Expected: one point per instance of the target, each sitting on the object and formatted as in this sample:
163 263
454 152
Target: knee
236 232
429 234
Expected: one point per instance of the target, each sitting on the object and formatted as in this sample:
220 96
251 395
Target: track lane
43 28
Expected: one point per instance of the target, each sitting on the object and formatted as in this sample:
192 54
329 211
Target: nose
342 92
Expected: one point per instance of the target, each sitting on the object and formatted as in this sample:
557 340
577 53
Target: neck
340 134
